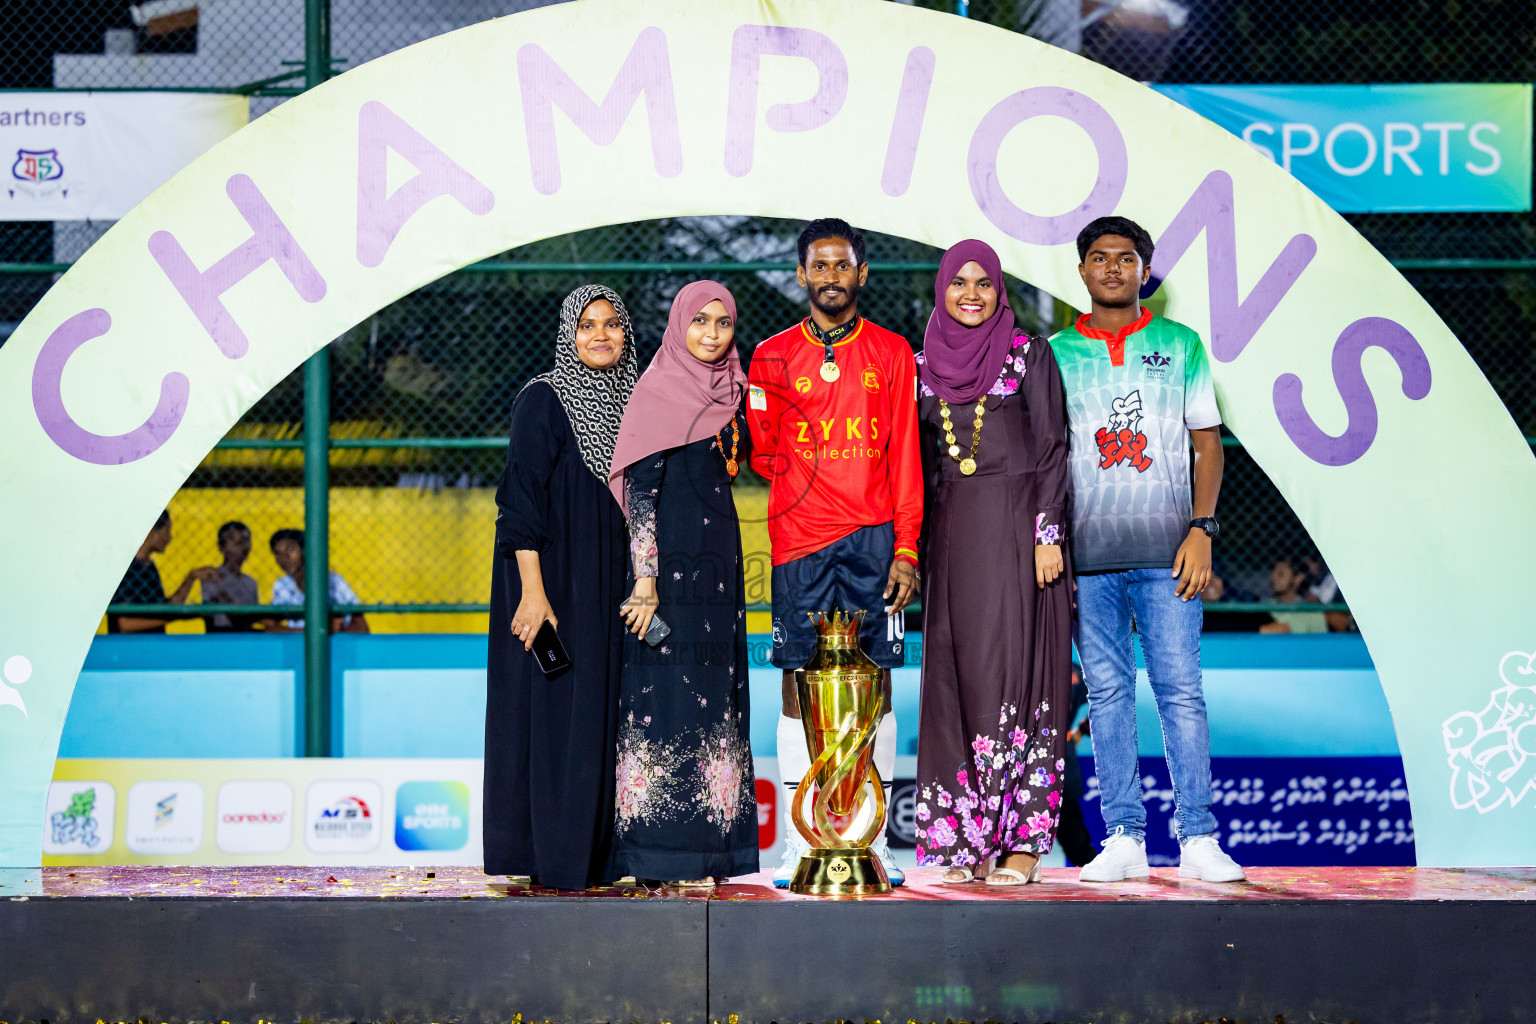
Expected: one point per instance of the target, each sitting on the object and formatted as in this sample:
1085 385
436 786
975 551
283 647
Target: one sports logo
1122 440
37 165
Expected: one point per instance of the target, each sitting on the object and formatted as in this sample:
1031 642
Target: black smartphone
549 651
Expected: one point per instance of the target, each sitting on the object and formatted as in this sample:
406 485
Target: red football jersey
838 455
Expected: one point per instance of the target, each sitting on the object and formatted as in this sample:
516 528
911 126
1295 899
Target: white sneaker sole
1195 874
1139 871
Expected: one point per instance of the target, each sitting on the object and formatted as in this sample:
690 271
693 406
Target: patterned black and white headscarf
593 400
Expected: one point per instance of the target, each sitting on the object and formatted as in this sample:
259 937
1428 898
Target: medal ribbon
831 337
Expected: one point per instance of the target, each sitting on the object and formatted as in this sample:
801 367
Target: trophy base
845 872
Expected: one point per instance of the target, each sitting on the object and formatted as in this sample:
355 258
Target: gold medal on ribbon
830 372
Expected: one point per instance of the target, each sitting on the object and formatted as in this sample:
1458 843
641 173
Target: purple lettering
379 216
545 85
911 105
1039 102
1211 209
75 440
203 290
749 45
1372 331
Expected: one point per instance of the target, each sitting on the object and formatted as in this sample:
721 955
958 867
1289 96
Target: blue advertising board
1384 148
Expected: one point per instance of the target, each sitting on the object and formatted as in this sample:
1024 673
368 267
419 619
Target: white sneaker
1123 857
794 848
1202 857
880 848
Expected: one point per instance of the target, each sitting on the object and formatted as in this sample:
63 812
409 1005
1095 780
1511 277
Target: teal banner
1384 148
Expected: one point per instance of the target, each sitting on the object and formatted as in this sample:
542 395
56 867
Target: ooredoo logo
341 815
255 816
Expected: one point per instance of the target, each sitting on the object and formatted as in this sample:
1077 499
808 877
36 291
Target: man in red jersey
832 407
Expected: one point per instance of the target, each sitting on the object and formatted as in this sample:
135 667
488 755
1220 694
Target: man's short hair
297 536
830 227
231 527
163 520
1122 226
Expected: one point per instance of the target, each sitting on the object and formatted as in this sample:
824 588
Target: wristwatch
1207 523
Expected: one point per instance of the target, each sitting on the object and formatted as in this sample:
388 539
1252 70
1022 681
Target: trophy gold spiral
841 704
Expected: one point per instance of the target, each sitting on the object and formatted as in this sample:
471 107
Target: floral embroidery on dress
1001 802
1007 381
669 782
725 786
642 522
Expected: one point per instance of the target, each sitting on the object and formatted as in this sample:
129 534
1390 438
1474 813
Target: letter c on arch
75 440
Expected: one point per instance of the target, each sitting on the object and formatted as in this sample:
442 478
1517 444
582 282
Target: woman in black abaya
561 551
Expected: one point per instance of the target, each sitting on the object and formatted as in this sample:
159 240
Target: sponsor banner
1289 811
1383 148
264 811
95 156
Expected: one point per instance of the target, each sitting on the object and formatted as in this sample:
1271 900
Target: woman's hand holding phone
532 612
641 606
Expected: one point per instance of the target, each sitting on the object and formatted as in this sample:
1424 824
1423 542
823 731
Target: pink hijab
680 398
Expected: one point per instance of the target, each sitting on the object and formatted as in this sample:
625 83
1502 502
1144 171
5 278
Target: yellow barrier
395 545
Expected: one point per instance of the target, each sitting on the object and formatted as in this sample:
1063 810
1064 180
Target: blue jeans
1108 604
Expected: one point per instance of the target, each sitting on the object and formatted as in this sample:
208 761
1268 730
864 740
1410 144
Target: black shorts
849 574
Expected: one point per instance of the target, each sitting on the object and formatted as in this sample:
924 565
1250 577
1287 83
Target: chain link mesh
411 522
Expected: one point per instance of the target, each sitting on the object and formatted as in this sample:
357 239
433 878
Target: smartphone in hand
549 651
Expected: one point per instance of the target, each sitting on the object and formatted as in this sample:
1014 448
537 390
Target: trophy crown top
838 624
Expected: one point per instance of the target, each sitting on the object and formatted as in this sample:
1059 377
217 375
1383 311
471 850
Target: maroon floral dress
997 650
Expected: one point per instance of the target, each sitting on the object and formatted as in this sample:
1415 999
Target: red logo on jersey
1122 440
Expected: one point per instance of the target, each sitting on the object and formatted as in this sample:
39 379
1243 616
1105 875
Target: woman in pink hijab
686 806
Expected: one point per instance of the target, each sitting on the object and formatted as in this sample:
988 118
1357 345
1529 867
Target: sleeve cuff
1048 530
907 555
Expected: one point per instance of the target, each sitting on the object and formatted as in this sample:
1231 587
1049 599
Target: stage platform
1389 945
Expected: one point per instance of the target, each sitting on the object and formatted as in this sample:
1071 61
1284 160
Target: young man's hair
297 536
1122 226
163 520
230 527
830 227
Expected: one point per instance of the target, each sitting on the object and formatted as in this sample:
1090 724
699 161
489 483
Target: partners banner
1384 148
96 155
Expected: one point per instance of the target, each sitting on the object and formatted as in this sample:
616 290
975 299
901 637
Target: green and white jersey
1132 399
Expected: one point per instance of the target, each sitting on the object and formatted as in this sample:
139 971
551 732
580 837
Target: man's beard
844 303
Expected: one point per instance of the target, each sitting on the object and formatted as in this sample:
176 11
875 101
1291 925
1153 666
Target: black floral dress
686 806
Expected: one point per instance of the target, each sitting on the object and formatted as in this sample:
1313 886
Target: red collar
1116 341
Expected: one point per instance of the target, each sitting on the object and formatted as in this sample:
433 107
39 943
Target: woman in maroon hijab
686 806
997 614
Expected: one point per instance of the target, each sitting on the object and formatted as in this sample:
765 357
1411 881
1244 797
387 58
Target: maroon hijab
680 398
960 363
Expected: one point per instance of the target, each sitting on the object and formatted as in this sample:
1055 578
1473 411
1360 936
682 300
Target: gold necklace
731 466
968 464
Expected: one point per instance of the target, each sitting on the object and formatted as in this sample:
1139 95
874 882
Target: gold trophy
841 704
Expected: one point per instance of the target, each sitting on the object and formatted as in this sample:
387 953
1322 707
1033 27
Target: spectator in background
226 584
141 584
1228 621
288 552
1322 588
1285 582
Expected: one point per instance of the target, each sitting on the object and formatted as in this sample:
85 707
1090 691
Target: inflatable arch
1340 380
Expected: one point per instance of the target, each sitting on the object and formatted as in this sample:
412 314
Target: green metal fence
386 446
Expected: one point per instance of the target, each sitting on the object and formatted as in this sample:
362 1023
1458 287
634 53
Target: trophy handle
816 836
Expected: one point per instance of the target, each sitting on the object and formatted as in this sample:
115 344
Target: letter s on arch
1371 331
75 440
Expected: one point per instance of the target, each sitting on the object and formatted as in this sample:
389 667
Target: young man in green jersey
1139 392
